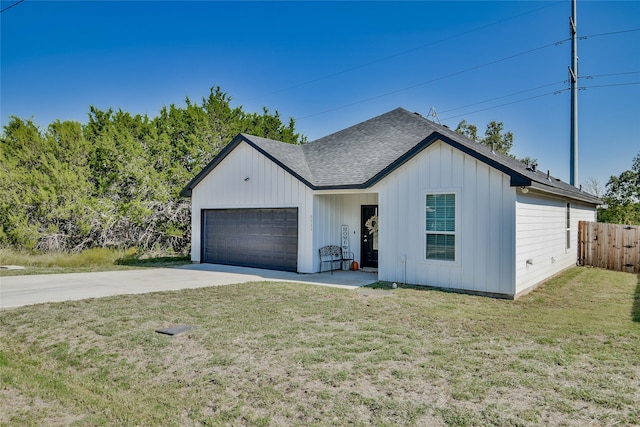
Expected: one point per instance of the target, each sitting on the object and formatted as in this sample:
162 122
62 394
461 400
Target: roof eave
341 187
188 189
517 179
583 197
279 163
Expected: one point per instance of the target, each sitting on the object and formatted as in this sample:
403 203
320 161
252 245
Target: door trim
363 260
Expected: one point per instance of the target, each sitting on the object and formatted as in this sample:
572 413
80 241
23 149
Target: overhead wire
382 95
610 33
608 74
404 52
455 73
538 96
466 70
10 6
536 88
555 92
503 96
612 84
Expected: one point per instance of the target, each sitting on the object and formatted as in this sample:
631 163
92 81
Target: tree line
621 196
115 181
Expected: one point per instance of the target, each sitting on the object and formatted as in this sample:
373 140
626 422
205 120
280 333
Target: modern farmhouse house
419 202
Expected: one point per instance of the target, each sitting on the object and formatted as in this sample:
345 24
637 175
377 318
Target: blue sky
330 65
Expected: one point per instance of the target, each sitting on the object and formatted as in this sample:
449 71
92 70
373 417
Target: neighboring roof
360 156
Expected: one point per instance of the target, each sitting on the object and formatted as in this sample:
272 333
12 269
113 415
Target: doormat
174 330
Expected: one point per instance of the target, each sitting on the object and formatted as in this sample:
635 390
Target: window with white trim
440 226
568 227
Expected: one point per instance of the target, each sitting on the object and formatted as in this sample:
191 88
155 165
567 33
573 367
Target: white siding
541 248
497 228
331 211
268 186
485 223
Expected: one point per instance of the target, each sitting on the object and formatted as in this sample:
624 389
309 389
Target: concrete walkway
16 291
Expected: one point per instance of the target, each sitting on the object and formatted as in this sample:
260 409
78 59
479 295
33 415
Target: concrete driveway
16 291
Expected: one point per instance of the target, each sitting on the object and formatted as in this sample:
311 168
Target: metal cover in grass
369 292
174 330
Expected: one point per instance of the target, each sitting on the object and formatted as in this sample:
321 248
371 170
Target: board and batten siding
485 223
541 237
268 186
331 211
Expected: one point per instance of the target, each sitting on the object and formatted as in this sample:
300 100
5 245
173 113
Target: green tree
24 189
468 130
494 136
496 139
529 161
622 197
271 126
593 186
115 181
43 185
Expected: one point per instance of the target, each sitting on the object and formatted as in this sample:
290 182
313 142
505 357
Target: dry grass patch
96 259
292 354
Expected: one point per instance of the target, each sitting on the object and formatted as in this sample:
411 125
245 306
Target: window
568 227
440 214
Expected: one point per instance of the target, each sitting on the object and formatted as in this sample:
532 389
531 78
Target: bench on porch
332 254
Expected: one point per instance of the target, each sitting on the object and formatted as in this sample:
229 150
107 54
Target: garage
262 238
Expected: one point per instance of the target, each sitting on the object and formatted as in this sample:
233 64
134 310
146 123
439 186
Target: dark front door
263 238
369 233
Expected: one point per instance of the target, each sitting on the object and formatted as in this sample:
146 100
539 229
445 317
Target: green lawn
293 354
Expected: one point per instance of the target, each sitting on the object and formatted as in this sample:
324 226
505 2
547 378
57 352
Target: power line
608 74
395 55
430 44
559 42
435 79
609 33
9 7
504 96
536 88
539 96
612 84
555 92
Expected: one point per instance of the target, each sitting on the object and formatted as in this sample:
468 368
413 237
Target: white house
423 204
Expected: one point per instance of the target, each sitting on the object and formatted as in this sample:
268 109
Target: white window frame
567 244
456 193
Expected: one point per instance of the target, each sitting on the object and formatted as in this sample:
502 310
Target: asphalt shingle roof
354 155
363 154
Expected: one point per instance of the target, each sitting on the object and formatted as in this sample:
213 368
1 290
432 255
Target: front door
369 233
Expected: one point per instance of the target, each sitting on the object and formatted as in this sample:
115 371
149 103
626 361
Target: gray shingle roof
363 154
290 155
355 155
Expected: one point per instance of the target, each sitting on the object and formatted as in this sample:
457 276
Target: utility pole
573 71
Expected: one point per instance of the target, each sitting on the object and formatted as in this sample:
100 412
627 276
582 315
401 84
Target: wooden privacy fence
610 246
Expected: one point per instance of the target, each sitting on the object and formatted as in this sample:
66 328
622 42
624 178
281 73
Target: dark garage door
264 238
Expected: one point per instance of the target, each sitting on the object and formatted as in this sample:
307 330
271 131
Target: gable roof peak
365 153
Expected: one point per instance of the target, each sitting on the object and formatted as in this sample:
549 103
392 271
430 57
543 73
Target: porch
344 279
348 220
